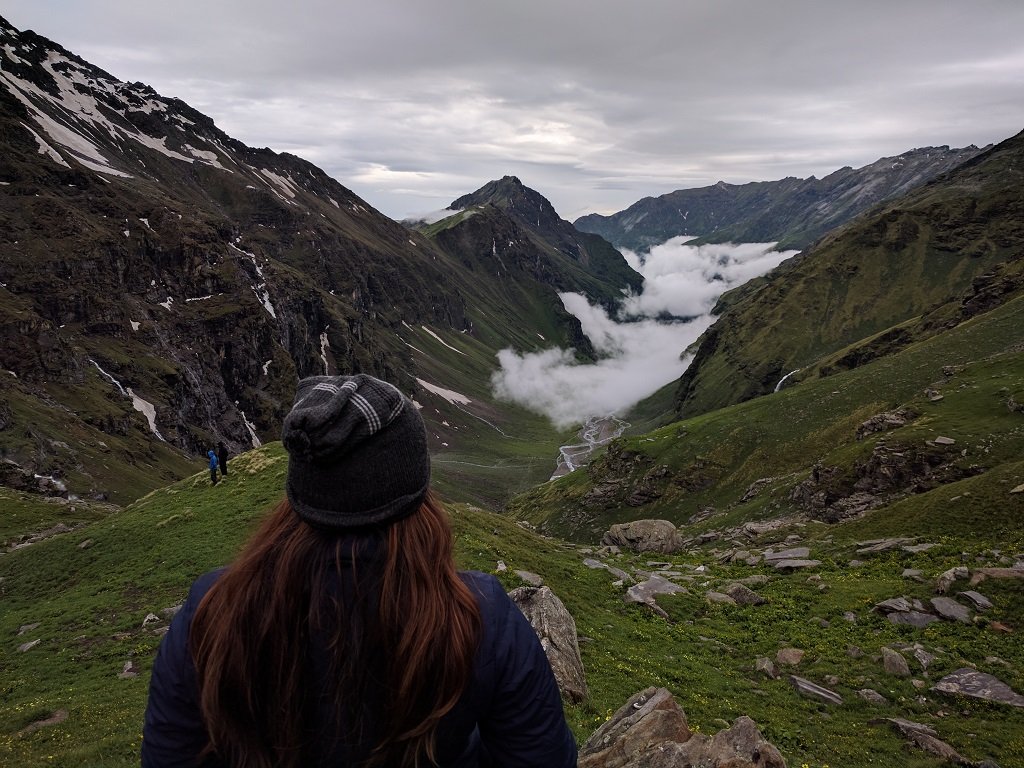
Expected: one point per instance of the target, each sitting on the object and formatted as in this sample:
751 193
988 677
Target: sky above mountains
593 103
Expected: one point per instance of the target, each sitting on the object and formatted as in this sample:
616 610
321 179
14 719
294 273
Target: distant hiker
342 634
213 466
222 457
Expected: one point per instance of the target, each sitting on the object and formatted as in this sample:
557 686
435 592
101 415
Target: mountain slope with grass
792 212
163 286
908 258
85 606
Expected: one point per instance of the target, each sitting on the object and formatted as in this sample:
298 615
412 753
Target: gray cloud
593 103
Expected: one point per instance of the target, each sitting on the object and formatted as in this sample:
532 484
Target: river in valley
597 431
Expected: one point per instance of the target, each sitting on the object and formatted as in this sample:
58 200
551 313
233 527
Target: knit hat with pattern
357 452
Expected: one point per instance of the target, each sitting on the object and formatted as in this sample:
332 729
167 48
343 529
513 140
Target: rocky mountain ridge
163 285
792 212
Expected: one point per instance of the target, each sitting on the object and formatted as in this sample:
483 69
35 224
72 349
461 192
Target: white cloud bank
641 356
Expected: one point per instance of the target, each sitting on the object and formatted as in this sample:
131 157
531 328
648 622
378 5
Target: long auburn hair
401 641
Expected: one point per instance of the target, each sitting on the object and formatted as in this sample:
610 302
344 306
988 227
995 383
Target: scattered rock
719 598
765 666
56 718
912 573
618 573
854 652
945 581
894 604
644 536
646 591
129 670
915 619
27 628
151 618
1018 489
795 565
882 422
815 691
951 610
881 545
944 441
789 657
797 553
894 663
501 567
996 573
28 646
922 657
530 578
170 613
978 685
850 616
925 737
981 602
744 595
86 544
872 696
914 549
650 731
556 629
650 718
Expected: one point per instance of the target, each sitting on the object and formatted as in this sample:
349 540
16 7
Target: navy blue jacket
509 716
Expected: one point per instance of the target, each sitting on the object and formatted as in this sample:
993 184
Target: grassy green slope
90 602
711 460
888 266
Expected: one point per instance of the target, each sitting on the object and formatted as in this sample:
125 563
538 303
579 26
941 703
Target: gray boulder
951 610
814 691
924 737
981 602
978 685
743 595
945 581
644 536
894 663
911 618
556 629
646 591
797 553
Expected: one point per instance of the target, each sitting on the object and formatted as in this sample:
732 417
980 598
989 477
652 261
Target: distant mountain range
793 212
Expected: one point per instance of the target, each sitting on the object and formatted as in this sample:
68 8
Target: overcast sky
594 103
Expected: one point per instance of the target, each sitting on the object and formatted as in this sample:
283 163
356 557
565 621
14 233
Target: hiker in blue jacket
213 465
343 635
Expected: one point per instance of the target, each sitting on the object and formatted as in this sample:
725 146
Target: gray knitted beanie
357 452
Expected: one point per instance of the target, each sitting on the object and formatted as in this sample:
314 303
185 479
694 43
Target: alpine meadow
757 449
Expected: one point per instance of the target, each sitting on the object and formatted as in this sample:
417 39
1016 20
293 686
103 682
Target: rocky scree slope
793 212
162 285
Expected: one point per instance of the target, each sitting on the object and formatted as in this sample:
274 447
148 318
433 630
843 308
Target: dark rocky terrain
151 263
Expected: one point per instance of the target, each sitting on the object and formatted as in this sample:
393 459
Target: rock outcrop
644 536
556 629
650 731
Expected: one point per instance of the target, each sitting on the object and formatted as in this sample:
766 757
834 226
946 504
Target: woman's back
343 635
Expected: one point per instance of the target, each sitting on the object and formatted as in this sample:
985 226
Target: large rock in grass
978 685
556 629
644 536
650 731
